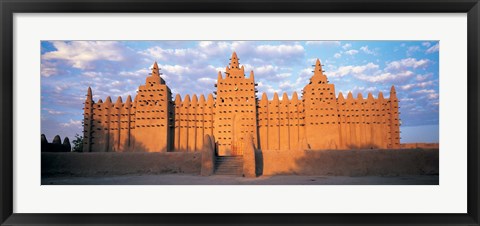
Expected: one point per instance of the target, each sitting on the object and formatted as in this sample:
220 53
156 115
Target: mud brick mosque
318 119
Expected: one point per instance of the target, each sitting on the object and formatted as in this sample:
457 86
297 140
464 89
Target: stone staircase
229 165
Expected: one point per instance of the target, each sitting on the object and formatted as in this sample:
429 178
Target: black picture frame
9 7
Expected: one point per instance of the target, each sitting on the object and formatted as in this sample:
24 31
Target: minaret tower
321 113
235 110
394 120
153 118
87 122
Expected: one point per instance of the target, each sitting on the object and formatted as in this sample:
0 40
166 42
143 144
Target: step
229 165
229 172
228 160
228 168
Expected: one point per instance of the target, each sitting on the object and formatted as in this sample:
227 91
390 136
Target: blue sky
117 68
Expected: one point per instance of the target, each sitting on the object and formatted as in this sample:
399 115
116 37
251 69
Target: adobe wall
280 122
193 120
349 162
102 164
419 145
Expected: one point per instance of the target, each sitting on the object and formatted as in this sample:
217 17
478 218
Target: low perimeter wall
349 162
93 164
326 163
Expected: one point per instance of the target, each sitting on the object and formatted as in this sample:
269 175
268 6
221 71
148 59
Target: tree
78 143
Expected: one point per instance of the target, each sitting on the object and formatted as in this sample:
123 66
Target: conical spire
285 98
370 97
155 69
318 76
89 93
264 97
340 97
210 99
275 97
187 99
318 67
234 60
380 96
295 95
359 96
129 101
393 92
219 76
155 78
178 99
119 101
194 99
350 96
252 76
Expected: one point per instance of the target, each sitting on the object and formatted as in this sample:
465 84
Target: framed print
268 112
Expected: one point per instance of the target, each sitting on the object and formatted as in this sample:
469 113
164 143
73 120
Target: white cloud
426 44
423 77
407 87
265 69
429 93
283 75
353 70
138 73
412 49
407 63
332 43
207 80
366 50
371 72
81 54
92 74
351 52
210 48
280 50
72 123
360 89
421 85
177 55
384 77
433 49
53 112
347 46
48 68
337 55
267 88
176 69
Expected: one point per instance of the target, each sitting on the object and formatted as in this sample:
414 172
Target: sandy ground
185 179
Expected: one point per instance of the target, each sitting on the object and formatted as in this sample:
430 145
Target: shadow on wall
56 145
258 162
115 163
391 162
111 157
